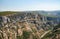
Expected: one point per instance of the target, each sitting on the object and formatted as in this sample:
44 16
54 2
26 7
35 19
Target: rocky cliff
25 25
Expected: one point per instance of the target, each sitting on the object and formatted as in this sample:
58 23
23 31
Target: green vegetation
33 12
53 33
0 38
26 34
6 13
19 37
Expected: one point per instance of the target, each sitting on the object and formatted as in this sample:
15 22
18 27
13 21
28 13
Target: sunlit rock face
24 26
5 19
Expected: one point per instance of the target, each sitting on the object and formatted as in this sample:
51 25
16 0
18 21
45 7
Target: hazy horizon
29 5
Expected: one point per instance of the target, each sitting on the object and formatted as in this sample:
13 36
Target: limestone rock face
4 19
24 26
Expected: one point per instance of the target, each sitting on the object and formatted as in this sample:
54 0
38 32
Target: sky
28 5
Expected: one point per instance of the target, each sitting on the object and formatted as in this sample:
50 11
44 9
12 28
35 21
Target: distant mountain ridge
45 13
50 13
